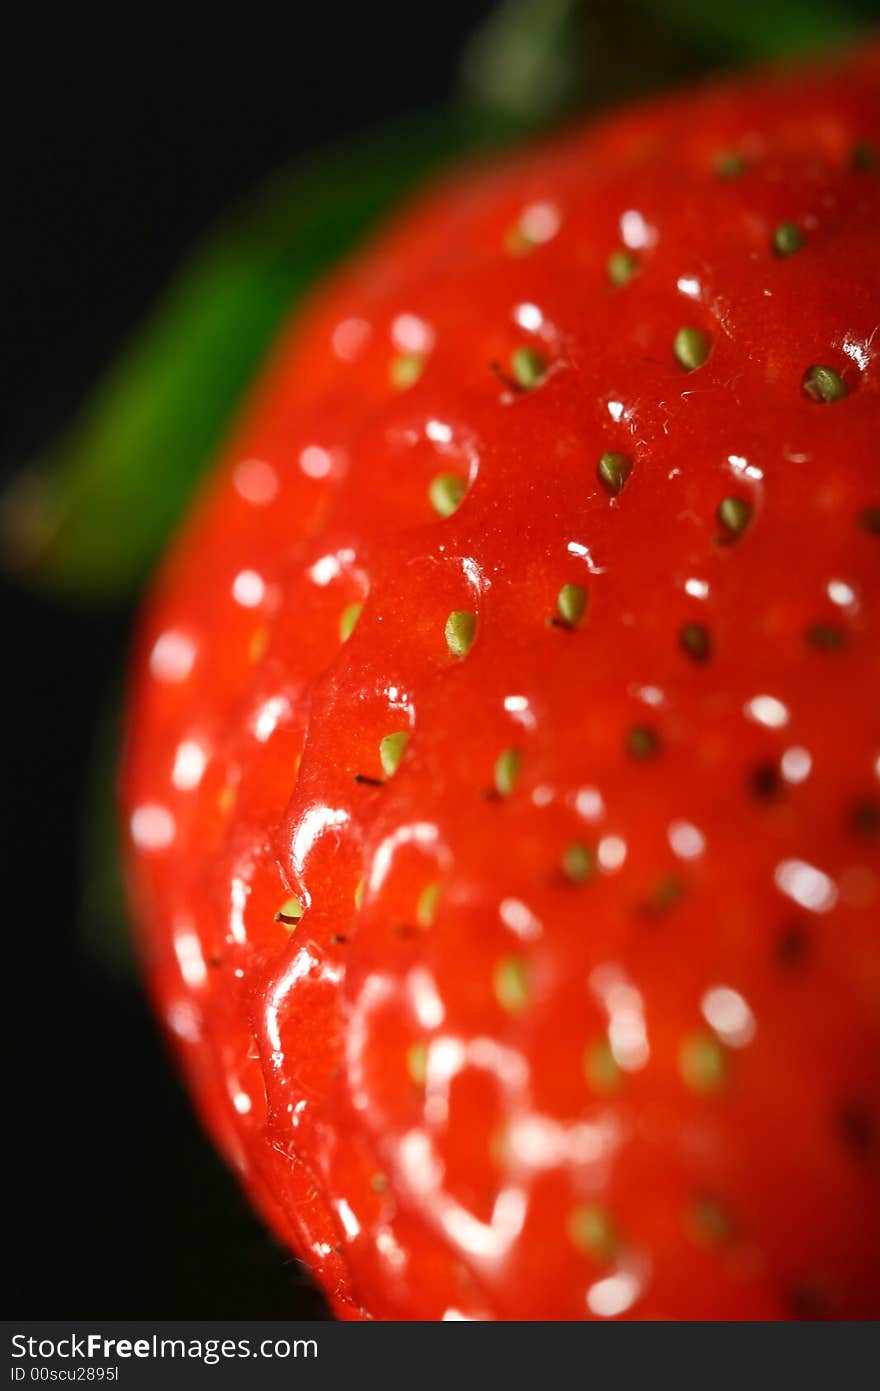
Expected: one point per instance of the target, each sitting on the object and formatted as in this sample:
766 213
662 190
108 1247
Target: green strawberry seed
527 367
511 985
642 742
348 621
702 1063
622 266
734 514
592 1231
426 907
461 629
601 1068
571 604
709 1222
417 1063
664 895
446 492
787 239
696 641
290 912
391 751
613 470
691 348
729 164
823 385
507 769
578 862
406 370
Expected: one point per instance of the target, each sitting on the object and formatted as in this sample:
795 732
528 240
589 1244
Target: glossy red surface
653 1093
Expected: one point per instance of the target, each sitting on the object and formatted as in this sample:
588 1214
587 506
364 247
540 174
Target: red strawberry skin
581 1017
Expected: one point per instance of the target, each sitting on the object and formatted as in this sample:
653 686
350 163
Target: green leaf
90 516
756 29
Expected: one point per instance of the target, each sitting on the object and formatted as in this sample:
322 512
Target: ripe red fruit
503 773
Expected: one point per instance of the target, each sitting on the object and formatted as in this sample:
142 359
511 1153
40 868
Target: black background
123 137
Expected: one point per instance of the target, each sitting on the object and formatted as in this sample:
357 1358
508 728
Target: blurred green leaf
91 515
758 29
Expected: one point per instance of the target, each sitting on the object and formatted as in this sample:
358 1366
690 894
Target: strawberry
502 782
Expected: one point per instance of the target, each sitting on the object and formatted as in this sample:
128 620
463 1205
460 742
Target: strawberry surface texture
502 772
